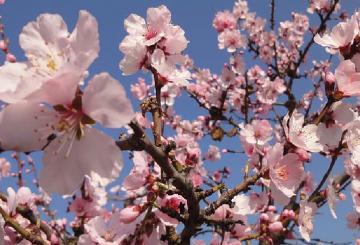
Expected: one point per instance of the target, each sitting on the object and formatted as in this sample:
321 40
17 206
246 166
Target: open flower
74 149
50 49
157 31
23 196
347 78
285 171
306 215
305 137
340 37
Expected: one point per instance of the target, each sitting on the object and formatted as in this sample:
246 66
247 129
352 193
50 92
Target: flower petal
18 125
105 101
85 44
17 81
95 155
59 90
38 38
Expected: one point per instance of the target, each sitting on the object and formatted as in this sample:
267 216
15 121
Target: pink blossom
231 40
10 57
332 197
153 29
50 50
4 167
224 20
213 153
276 227
167 71
84 208
140 89
320 5
270 90
173 202
138 175
249 204
103 100
259 132
355 192
340 37
129 214
347 78
157 29
240 9
286 171
352 140
353 220
305 137
2 232
306 215
105 231
22 197
93 191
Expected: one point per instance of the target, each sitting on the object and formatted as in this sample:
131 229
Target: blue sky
195 18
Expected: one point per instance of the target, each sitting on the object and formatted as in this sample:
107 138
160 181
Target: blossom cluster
178 187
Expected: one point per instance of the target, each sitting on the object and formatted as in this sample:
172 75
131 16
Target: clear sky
195 17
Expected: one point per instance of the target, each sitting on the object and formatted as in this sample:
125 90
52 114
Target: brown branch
311 42
28 214
22 231
272 16
229 195
139 141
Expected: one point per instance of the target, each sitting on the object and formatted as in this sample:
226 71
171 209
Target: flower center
66 123
282 173
150 34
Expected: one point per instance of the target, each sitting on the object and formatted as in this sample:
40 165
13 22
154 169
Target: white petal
135 24
95 154
11 200
58 90
105 101
18 125
49 32
85 44
17 81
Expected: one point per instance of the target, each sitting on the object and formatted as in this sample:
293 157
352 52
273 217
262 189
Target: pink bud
291 214
2 1
264 217
271 208
10 57
276 227
129 214
342 196
330 78
3 45
303 155
54 239
285 213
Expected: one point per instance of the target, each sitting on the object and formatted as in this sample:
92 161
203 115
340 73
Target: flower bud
276 227
129 214
264 217
10 57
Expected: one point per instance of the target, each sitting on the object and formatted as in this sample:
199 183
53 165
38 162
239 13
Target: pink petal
95 155
135 24
58 90
105 101
18 81
49 31
18 125
85 44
